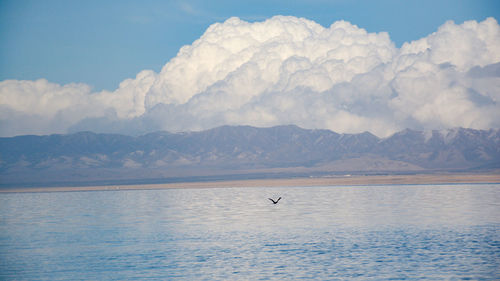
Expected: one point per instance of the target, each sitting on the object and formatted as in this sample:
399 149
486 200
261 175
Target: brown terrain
347 180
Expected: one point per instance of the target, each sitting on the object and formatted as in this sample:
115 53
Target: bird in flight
274 202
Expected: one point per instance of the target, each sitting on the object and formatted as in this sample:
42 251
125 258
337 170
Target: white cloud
280 71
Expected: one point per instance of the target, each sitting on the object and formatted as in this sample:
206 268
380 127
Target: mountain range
229 152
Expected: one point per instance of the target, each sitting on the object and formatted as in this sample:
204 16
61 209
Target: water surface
409 232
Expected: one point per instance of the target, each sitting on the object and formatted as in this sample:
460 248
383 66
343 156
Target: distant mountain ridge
241 150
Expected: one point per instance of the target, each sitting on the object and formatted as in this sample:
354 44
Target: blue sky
101 43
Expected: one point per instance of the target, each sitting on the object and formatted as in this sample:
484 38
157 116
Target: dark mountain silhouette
241 151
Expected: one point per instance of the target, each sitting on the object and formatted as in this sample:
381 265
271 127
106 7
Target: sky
101 43
84 51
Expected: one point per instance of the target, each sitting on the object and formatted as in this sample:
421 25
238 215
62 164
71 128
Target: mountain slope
231 150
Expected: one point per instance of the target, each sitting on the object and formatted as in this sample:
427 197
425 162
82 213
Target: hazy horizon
140 134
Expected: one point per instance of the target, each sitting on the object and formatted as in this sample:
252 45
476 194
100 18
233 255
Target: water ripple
321 233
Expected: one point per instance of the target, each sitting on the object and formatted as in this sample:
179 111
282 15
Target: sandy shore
322 181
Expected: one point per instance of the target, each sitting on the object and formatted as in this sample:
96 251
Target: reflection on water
381 232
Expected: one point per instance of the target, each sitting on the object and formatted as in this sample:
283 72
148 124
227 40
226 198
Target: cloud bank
284 70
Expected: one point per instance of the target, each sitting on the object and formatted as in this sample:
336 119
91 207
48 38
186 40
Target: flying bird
274 202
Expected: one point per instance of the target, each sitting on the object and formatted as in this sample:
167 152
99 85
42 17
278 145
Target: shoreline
417 179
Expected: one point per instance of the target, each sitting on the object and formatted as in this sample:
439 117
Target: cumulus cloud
284 70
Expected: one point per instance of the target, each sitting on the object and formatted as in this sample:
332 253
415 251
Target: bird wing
272 200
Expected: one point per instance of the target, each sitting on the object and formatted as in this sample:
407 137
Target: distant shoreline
312 181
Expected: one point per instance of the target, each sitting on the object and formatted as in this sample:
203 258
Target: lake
398 232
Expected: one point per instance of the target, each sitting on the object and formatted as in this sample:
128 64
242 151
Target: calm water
325 233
